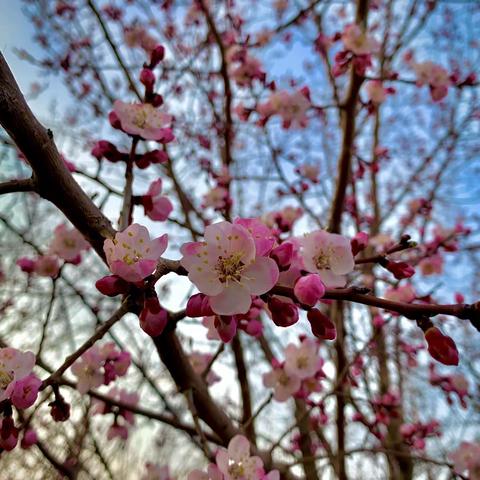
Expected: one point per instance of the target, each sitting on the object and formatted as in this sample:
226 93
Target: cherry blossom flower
310 171
376 92
302 361
88 370
435 76
156 206
132 255
25 391
142 119
292 107
432 265
216 198
402 293
68 243
467 458
329 255
226 268
236 462
47 266
357 41
285 384
15 367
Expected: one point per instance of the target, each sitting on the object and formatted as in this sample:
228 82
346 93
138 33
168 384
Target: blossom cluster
100 365
236 462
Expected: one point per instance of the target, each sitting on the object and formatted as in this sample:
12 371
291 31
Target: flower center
322 260
69 243
230 268
140 118
5 379
236 470
302 362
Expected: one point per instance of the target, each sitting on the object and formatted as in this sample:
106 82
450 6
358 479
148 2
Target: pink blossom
216 198
404 293
376 92
144 120
435 76
88 370
329 255
132 255
310 171
47 266
25 391
14 366
285 384
236 462
302 361
153 318
29 438
27 265
432 265
357 41
292 107
226 268
209 323
67 243
309 289
467 458
157 207
262 235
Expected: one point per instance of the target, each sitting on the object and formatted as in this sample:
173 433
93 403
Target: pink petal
233 300
261 276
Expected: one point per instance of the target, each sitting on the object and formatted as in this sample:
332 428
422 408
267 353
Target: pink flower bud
322 326
309 289
226 326
284 314
25 391
29 439
26 264
441 347
359 242
59 409
400 269
157 55
283 255
114 121
153 318
198 305
112 285
104 149
147 78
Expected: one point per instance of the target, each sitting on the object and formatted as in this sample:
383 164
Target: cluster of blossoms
243 67
235 463
467 459
100 365
67 246
451 384
358 50
299 375
9 435
414 434
18 384
291 106
435 76
218 197
123 418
